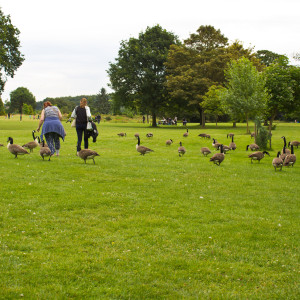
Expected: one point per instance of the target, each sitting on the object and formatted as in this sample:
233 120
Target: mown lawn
157 226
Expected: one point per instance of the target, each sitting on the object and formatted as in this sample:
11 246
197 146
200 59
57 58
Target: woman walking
52 128
82 114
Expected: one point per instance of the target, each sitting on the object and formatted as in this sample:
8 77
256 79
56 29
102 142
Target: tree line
202 78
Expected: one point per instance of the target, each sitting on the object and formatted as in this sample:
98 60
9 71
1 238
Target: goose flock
285 157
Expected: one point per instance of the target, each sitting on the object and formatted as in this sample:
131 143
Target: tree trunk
255 135
234 124
271 123
203 119
247 123
154 120
216 121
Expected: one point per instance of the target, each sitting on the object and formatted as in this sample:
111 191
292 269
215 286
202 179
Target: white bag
89 126
73 124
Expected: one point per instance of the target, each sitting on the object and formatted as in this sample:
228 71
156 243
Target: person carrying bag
82 115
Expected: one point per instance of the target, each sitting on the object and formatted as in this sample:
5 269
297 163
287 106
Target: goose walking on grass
15 149
252 135
87 154
149 135
32 145
181 150
142 149
258 155
252 147
122 134
218 157
230 135
232 145
169 142
215 144
44 151
287 151
294 143
205 151
290 159
186 134
277 162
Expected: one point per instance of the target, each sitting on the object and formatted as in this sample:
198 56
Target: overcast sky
68 44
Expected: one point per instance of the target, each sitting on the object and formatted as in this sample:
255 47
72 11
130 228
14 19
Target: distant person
82 114
144 119
98 118
184 121
8 115
53 129
20 117
175 120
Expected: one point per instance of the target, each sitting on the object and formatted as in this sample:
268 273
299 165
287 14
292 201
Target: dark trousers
81 129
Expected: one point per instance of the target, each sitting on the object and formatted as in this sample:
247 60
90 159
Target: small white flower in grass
201 197
73 180
29 183
279 225
210 237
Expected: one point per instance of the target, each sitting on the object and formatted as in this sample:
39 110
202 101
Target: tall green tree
20 96
212 102
281 88
10 56
138 75
102 103
194 67
246 93
267 57
2 110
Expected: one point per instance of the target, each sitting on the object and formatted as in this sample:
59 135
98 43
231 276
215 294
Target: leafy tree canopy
246 92
138 74
10 56
20 96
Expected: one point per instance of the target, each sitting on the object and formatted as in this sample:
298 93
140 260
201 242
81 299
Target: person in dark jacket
82 114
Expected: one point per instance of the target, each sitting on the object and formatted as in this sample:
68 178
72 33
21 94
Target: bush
108 118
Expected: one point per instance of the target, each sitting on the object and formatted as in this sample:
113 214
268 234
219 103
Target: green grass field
157 226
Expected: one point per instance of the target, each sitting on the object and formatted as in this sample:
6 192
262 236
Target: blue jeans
81 129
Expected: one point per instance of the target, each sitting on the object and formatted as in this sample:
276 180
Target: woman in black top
82 114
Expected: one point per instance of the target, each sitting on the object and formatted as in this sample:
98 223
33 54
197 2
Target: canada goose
169 142
186 134
87 154
215 144
294 143
149 135
258 155
15 149
32 145
225 148
44 151
252 135
287 151
122 134
277 162
136 135
181 150
284 154
142 149
204 135
232 145
230 135
217 158
205 151
252 147
290 159
1 145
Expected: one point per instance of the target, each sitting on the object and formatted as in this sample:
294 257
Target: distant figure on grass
82 114
98 118
144 119
52 128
